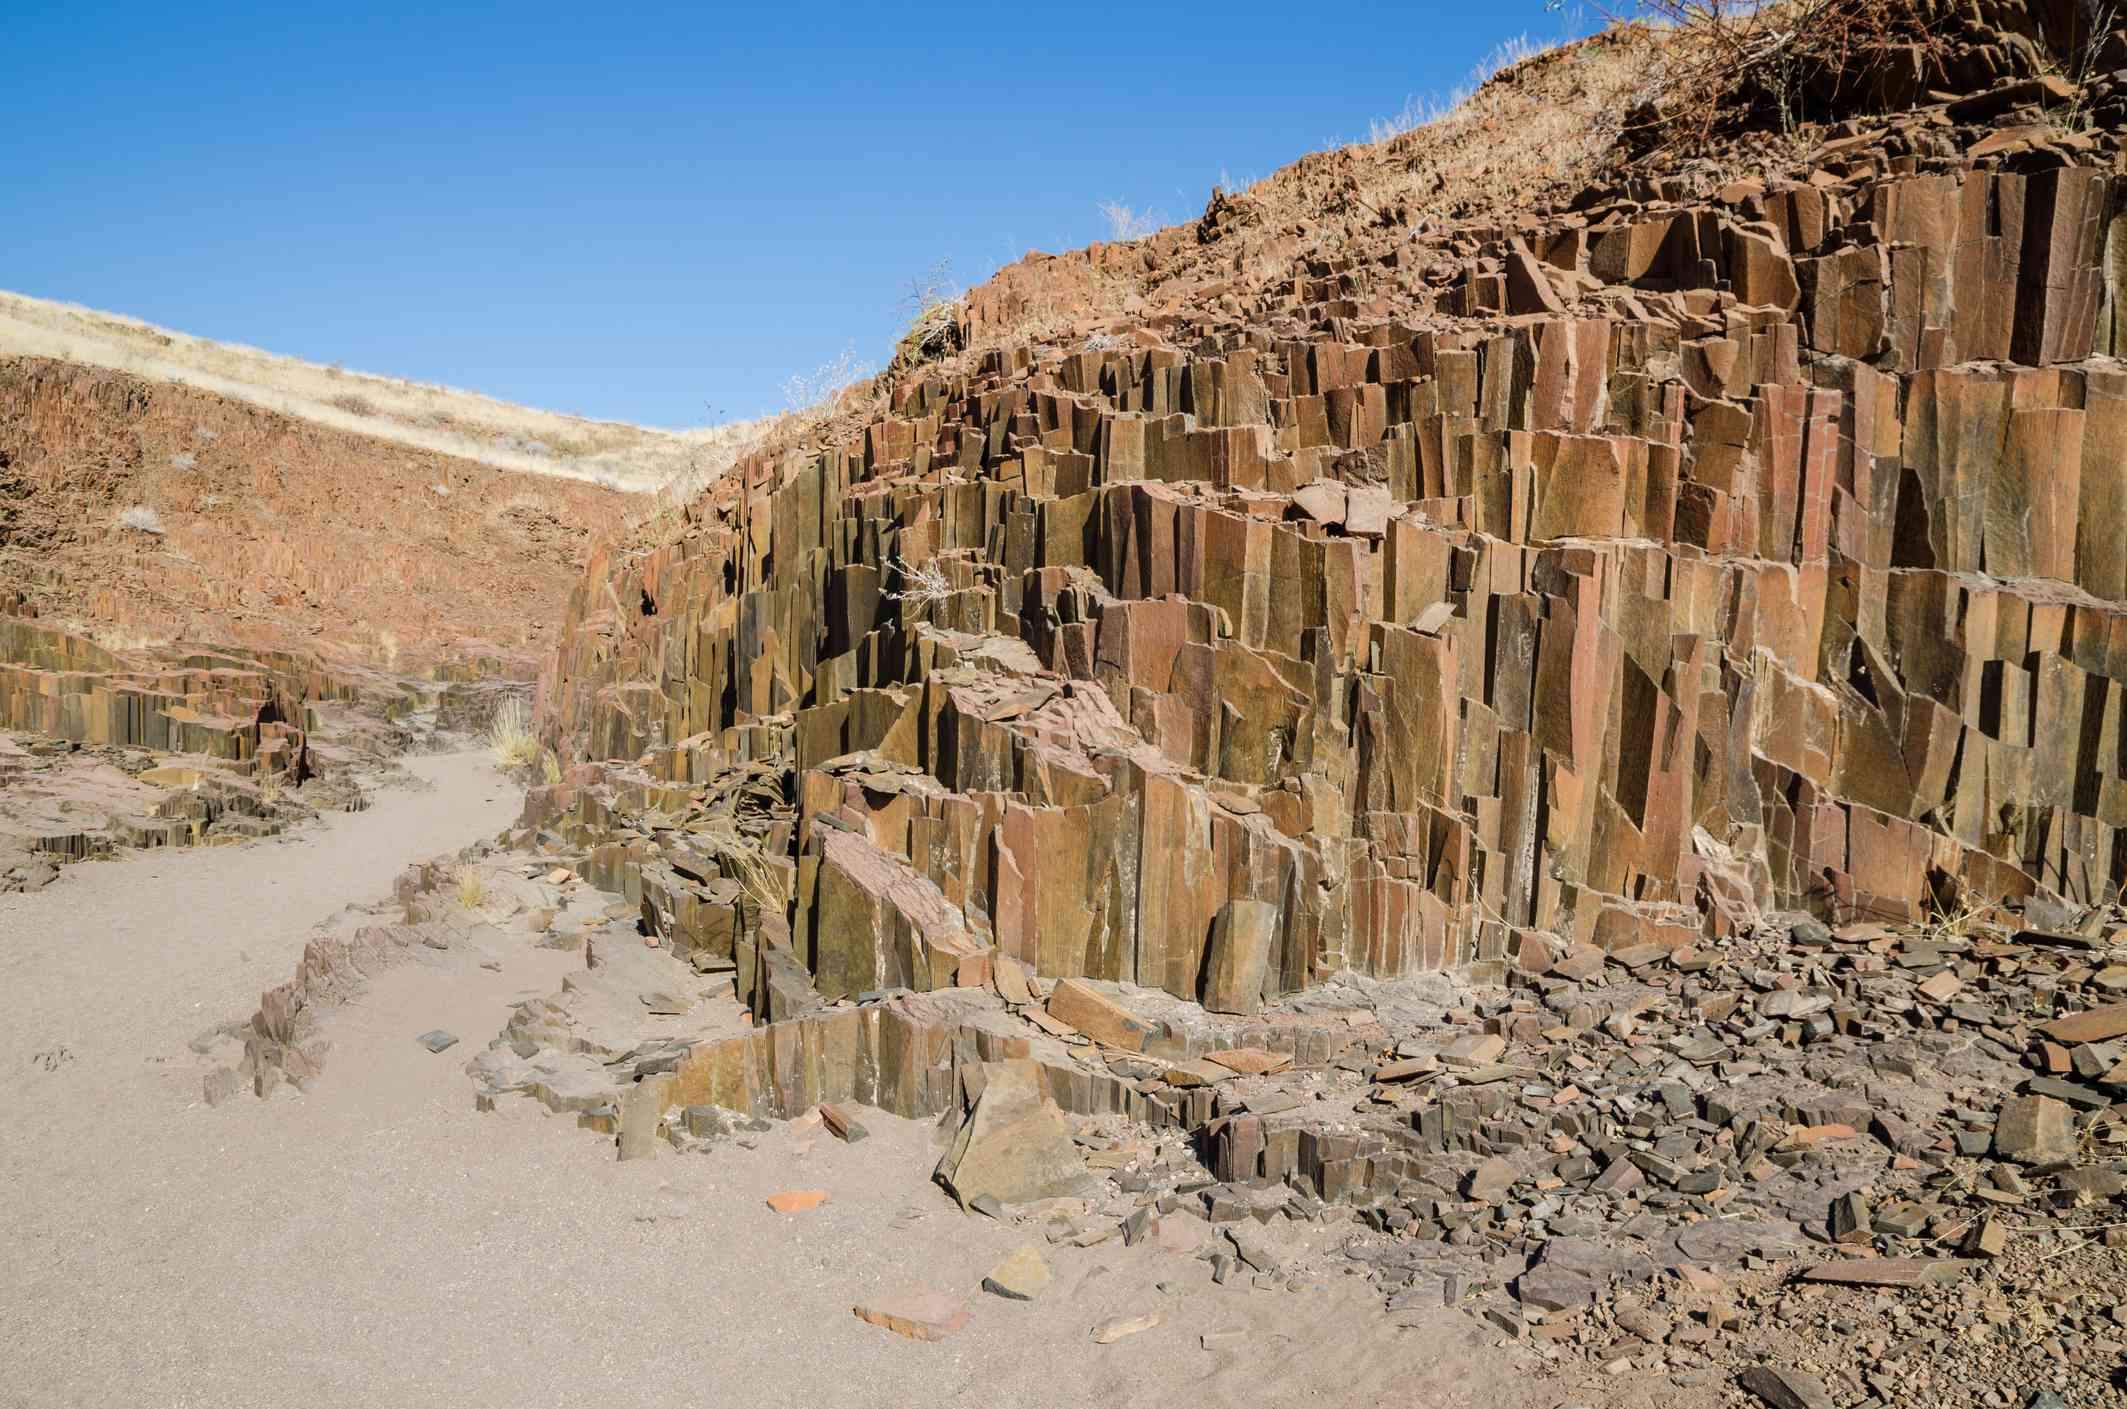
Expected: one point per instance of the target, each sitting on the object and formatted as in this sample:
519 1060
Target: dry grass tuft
742 856
510 737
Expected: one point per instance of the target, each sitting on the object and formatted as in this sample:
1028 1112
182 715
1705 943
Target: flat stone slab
1887 1271
797 1200
2096 1025
1021 1277
437 1040
1116 1328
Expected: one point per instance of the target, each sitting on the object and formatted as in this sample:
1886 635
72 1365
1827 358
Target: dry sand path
376 1242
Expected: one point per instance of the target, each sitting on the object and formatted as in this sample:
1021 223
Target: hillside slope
149 514
441 420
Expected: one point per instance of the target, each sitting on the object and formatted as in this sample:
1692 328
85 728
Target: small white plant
141 519
443 491
183 460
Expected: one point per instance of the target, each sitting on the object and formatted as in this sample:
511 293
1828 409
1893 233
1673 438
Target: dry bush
925 585
1735 62
355 405
931 330
141 519
472 891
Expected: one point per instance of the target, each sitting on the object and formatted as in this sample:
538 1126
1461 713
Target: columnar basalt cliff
1613 572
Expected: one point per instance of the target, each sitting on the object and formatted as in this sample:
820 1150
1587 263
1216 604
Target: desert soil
377 1241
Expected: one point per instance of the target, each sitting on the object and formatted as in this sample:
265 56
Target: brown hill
145 515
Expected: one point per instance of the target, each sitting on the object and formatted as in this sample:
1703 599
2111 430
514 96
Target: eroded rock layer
1610 576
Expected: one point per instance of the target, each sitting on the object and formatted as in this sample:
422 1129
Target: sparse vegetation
141 519
932 329
925 584
1423 112
510 737
2098 21
1125 224
472 891
806 392
355 405
1722 59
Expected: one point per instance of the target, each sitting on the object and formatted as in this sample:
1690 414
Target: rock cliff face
1738 533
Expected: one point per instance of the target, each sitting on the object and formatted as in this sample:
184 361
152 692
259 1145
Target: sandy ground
378 1242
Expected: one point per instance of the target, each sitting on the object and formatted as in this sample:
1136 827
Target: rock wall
1610 575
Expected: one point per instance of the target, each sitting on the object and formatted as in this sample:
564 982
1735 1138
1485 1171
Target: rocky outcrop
1641 568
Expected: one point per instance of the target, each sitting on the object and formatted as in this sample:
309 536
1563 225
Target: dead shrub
1735 64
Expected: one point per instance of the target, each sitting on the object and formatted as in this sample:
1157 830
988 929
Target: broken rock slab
1098 1016
797 1200
1241 940
920 1314
1016 1145
2034 1130
1023 1276
1116 1328
1786 1389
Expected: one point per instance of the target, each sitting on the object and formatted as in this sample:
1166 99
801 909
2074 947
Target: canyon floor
376 1241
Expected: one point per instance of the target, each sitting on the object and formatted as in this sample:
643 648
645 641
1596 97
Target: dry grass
1424 112
472 891
510 737
1532 126
1125 224
742 856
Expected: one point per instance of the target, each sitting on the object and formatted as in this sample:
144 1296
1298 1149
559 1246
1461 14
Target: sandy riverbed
377 1242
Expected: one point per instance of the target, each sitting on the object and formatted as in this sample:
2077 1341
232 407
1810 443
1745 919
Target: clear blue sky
647 212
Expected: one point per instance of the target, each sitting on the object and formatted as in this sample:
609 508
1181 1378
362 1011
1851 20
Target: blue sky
646 212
